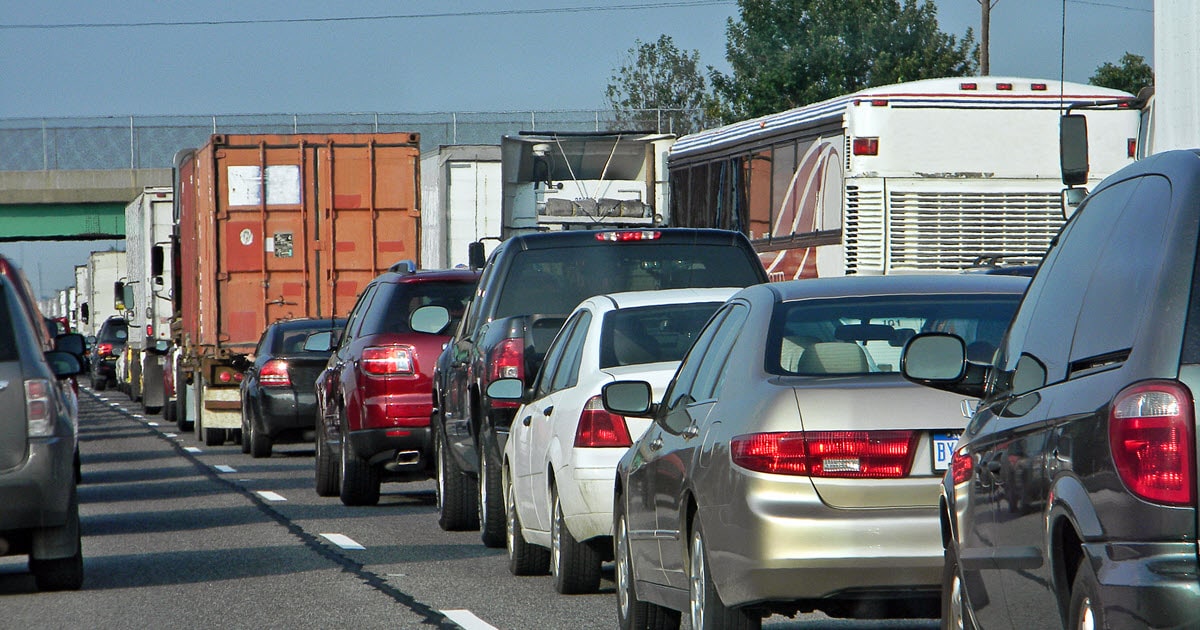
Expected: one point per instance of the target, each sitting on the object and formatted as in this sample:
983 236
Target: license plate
943 449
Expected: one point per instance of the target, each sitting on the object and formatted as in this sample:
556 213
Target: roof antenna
1062 56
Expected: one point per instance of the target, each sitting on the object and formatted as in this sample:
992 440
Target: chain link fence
102 143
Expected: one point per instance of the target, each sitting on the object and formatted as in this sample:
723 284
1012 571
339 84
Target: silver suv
38 440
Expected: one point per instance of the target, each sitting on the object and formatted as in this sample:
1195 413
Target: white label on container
283 185
245 185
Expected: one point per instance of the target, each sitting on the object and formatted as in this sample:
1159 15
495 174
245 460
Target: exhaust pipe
408 458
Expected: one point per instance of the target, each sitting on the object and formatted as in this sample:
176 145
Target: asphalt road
177 534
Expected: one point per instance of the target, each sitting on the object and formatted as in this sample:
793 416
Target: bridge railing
115 142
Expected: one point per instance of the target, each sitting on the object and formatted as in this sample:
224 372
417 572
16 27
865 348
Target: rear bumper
396 449
1147 585
285 410
37 493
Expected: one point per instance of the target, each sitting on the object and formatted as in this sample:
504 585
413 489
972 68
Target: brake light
962 466
968 86
274 373
866 146
1150 428
226 375
599 428
1038 87
104 350
389 360
507 361
1131 147
847 454
1004 87
629 235
38 409
149 330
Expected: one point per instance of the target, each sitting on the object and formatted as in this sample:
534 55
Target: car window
353 323
712 368
554 356
1044 326
555 280
865 335
567 374
1123 277
679 393
396 302
8 338
650 334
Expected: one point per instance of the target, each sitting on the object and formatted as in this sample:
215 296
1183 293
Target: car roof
398 275
308 322
918 284
586 238
635 299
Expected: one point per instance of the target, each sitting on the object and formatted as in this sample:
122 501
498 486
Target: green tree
788 53
1131 75
660 87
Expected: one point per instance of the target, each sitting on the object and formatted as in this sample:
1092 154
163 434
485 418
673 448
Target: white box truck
460 198
146 294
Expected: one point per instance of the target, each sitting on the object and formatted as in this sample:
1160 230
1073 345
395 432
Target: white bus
930 175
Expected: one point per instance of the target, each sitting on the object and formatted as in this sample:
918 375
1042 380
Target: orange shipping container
280 226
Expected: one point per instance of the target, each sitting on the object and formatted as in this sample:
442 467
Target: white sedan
562 453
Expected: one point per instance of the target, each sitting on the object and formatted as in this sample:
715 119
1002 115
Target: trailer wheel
215 437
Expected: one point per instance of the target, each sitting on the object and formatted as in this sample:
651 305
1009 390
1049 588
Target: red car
374 398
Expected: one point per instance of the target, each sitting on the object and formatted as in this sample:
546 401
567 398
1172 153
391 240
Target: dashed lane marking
343 541
270 496
225 469
192 449
467 620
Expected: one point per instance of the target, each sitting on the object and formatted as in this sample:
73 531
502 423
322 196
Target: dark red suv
374 398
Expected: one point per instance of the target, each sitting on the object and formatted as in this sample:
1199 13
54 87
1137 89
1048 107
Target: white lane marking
170 435
467 620
225 469
139 416
151 424
270 496
192 449
343 541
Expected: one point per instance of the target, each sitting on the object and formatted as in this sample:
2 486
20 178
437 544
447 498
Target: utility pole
985 27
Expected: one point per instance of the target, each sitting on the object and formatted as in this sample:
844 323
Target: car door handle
656 444
548 410
526 420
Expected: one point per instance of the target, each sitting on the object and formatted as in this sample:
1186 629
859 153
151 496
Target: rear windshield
866 335
113 331
554 281
650 334
389 312
290 340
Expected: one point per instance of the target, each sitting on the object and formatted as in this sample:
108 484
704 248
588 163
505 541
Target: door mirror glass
430 319
934 357
1073 149
628 398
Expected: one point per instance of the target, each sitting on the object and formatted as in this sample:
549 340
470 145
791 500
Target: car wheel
60 574
99 383
360 480
575 565
258 440
327 481
955 613
490 505
707 609
633 613
181 421
245 431
455 496
523 558
1086 612
215 437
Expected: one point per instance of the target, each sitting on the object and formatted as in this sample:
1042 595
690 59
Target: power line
1110 5
365 18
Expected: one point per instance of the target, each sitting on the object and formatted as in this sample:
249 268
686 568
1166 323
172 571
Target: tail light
389 360
274 373
847 454
104 349
866 146
629 235
599 428
1150 428
226 375
961 466
39 411
507 361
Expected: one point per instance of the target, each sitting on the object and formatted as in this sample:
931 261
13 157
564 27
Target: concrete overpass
59 205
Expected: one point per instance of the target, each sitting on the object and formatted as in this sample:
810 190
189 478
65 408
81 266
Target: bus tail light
866 146
1150 428
1131 147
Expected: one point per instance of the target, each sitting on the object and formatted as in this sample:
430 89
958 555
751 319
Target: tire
523 558
245 444
455 494
99 383
632 613
707 611
491 498
180 413
328 478
1086 611
215 437
256 441
956 615
61 574
574 565
360 480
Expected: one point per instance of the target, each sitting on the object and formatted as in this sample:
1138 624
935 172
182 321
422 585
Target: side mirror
319 342
240 362
430 319
162 345
506 389
1071 198
939 360
73 343
64 364
475 255
628 398
1073 149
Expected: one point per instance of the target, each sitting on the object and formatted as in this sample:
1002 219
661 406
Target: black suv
529 285
1072 495
109 345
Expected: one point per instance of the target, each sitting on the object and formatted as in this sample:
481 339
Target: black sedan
278 400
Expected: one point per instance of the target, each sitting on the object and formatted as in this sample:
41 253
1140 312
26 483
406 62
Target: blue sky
540 55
